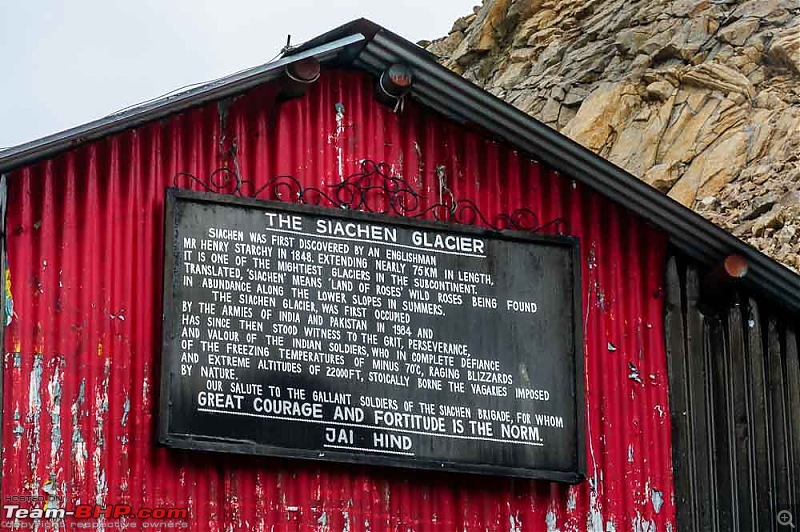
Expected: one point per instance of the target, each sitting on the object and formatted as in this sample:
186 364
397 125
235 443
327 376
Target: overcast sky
65 63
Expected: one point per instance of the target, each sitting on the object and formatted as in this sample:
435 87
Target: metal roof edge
29 152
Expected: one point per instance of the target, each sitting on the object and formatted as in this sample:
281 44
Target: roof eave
30 152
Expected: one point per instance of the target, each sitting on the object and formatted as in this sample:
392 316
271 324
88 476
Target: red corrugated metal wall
82 350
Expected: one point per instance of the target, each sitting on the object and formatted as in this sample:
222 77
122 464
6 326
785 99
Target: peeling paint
420 162
119 315
146 389
514 523
346 516
630 453
339 108
34 400
572 500
49 487
54 390
640 524
611 347
323 521
79 452
551 521
126 407
34 412
658 500
51 490
601 298
634 373
595 521
100 413
592 259
18 430
445 194
9 302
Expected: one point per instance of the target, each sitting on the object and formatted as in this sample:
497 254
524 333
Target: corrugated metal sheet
736 409
85 249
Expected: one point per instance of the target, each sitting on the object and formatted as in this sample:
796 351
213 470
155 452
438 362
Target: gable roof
368 46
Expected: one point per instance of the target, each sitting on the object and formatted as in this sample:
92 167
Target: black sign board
326 334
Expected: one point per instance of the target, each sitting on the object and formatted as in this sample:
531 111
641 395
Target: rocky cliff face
700 99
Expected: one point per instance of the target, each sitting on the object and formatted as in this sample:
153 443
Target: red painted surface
82 351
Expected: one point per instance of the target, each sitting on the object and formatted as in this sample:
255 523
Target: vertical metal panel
85 249
765 504
793 402
722 460
679 399
744 410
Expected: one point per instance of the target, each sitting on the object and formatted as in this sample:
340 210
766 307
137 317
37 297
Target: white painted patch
100 413
126 407
640 524
339 107
572 499
346 516
79 452
551 520
595 520
54 389
658 500
18 430
323 522
146 390
34 410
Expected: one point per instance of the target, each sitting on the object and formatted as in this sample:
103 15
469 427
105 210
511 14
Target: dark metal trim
194 442
168 273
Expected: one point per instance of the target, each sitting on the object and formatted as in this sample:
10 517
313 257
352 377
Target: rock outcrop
699 98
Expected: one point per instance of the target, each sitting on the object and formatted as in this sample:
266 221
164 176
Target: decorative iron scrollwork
374 188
